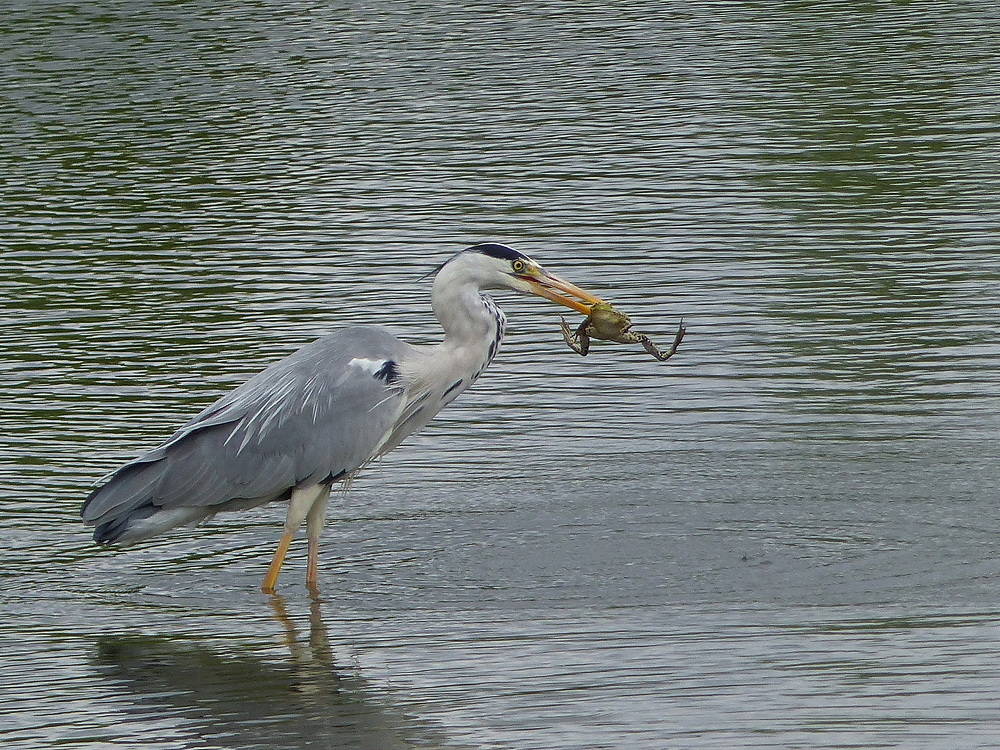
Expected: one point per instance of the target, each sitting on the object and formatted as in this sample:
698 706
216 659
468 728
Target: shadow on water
233 697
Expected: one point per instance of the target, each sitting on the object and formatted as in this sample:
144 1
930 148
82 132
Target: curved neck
469 318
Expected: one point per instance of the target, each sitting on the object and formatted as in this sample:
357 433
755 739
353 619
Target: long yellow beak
548 286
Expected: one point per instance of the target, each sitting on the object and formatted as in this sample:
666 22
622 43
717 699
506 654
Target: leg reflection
315 665
230 689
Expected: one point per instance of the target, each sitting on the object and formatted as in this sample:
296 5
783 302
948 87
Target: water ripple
785 536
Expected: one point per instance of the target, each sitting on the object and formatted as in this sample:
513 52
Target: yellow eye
518 266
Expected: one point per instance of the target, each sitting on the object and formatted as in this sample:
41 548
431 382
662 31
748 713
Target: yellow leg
299 506
275 567
312 566
315 521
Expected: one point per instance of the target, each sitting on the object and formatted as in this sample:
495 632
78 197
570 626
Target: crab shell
605 322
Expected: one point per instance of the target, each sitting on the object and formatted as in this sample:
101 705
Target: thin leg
314 526
275 567
312 566
298 508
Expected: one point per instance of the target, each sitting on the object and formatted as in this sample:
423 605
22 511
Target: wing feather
305 418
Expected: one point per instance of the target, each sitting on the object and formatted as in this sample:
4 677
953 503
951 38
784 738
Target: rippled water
785 537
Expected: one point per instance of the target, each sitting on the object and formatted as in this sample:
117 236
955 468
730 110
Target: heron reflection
225 695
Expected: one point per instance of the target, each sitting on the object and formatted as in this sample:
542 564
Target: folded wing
317 415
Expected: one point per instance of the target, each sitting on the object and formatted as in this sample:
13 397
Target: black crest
492 249
495 250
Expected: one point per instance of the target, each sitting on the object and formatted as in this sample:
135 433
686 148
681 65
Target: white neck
469 319
473 327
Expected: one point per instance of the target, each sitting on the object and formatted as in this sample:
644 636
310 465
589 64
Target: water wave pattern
785 536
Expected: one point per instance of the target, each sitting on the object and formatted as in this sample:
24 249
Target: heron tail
145 522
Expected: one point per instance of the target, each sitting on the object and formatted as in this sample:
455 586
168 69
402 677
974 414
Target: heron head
505 268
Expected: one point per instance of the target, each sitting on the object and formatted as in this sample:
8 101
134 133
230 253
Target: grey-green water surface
785 537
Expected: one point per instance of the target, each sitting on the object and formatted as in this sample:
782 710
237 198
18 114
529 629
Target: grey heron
321 414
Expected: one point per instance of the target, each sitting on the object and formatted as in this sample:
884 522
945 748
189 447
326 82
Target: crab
608 324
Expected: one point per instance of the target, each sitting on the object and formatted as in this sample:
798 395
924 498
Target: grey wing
319 413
